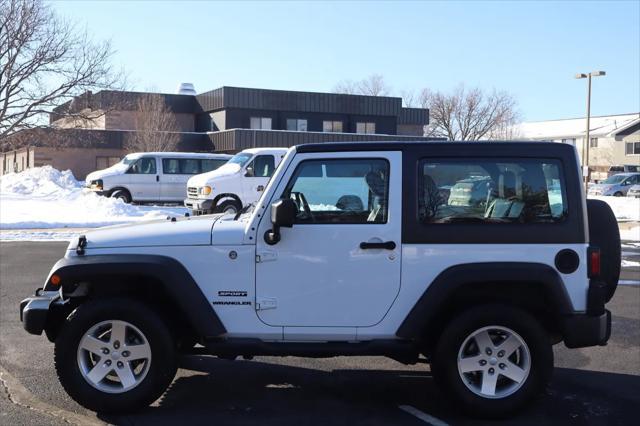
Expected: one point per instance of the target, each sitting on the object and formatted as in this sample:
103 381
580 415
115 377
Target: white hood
116 169
191 231
225 170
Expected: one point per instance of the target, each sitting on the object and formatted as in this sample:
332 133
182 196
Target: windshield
241 159
614 179
129 159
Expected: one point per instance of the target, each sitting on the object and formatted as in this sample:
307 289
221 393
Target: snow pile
625 208
44 197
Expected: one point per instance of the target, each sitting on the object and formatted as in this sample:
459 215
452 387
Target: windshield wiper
246 209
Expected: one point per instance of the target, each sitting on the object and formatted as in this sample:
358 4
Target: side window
208 165
341 191
170 166
491 191
144 166
189 166
262 166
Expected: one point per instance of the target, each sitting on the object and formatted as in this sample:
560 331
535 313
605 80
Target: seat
507 204
350 203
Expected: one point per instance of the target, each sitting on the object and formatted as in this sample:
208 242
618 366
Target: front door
144 180
257 175
339 265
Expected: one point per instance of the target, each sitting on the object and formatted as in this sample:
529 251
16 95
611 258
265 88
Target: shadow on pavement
256 392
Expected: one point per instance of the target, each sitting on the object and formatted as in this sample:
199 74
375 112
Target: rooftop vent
186 89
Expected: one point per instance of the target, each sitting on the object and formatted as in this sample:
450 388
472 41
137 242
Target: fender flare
118 188
176 281
431 303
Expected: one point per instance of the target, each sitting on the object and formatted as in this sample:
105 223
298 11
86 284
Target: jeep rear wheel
114 355
493 360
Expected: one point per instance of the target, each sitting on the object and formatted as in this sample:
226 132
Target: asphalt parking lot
590 386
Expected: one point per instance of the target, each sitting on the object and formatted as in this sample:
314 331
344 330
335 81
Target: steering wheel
301 201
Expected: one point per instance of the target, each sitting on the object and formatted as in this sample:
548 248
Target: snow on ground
44 198
625 208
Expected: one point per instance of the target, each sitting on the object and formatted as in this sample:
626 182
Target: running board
402 351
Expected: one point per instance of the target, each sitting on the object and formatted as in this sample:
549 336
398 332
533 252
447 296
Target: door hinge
266 256
267 303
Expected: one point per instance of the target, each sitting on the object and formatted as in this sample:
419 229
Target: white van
152 176
236 184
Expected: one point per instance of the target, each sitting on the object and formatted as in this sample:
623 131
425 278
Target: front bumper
199 206
34 310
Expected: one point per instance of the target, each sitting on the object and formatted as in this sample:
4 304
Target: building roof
599 126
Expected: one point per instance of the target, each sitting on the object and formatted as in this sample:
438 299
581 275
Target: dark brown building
228 119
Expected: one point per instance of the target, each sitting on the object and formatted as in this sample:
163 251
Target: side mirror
283 214
249 172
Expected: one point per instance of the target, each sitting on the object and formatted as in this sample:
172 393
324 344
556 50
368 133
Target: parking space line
427 418
629 282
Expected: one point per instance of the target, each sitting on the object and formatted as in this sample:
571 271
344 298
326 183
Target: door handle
388 245
157 178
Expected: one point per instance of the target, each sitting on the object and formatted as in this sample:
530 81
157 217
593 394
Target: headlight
204 190
96 184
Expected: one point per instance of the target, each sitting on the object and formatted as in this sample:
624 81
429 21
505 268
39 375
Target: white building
615 139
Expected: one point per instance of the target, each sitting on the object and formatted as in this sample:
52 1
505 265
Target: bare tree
156 126
470 114
44 62
410 99
374 85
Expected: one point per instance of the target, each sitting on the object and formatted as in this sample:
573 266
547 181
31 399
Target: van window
208 165
263 166
143 166
492 191
189 166
170 166
340 191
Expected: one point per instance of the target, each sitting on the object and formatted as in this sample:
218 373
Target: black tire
228 206
161 370
605 234
121 194
445 360
618 194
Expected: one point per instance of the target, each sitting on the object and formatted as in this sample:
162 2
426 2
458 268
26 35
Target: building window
297 124
632 148
102 162
367 128
261 123
593 143
571 141
332 126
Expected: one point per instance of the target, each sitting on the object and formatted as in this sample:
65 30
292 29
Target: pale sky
530 49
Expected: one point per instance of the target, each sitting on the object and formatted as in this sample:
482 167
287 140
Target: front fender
174 278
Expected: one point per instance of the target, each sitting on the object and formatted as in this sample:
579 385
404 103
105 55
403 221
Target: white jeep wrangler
237 184
353 249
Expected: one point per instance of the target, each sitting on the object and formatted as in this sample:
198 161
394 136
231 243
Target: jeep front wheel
114 355
493 360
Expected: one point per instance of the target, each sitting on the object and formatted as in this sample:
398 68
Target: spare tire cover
604 234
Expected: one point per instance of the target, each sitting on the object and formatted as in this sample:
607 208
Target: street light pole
587 142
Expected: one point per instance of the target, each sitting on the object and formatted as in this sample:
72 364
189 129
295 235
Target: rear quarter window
502 190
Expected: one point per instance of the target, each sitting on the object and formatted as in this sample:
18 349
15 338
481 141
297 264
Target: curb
19 395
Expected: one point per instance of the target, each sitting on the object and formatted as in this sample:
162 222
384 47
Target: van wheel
228 207
114 355
121 194
493 360
618 194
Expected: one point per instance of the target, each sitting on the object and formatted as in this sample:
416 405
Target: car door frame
262 222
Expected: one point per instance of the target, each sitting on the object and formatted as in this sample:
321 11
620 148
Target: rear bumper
587 330
34 310
592 328
198 206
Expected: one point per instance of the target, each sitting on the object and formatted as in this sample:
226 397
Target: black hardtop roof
446 147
